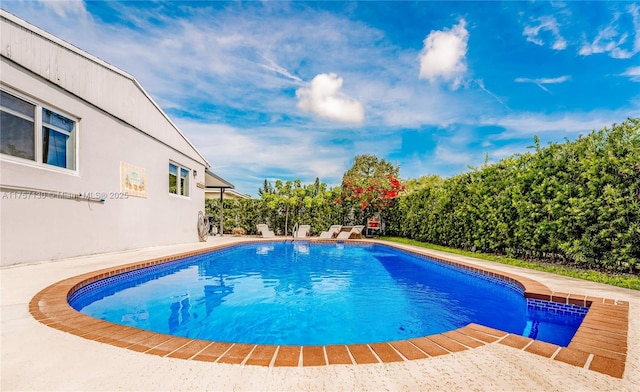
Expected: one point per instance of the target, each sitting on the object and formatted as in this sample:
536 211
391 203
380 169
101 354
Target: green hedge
576 202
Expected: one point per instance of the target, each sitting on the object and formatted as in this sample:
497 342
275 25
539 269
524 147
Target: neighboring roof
59 69
213 181
228 193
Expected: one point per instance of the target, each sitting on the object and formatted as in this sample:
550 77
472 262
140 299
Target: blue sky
295 90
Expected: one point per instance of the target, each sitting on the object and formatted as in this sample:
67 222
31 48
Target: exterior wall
37 225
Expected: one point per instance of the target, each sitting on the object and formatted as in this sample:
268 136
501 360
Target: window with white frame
178 179
34 132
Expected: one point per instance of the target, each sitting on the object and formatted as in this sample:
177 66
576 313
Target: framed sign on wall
133 180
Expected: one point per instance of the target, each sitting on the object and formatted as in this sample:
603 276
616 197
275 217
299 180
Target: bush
238 231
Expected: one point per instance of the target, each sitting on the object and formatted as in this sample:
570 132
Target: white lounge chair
264 230
333 231
303 231
345 235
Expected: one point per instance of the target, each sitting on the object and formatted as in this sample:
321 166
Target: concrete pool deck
37 357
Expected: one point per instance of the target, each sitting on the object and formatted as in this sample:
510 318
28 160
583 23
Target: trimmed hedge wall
576 202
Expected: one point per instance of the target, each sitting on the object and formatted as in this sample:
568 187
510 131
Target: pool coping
600 344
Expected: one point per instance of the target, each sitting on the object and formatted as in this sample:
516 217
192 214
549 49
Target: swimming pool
300 293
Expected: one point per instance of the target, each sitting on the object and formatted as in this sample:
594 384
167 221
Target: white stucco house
89 163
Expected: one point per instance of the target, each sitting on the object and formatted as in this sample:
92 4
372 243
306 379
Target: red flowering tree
371 184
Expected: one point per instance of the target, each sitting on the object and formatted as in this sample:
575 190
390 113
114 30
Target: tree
266 188
370 184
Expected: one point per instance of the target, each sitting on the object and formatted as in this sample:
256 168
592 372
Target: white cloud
272 66
610 40
534 32
632 73
505 151
480 84
607 40
323 98
243 155
65 8
564 124
540 82
451 155
443 55
560 79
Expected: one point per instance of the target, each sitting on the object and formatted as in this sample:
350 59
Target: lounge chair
345 235
333 231
264 230
303 231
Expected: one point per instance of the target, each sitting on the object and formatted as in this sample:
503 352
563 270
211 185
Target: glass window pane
56 120
10 103
173 179
184 182
54 151
18 136
57 145
18 133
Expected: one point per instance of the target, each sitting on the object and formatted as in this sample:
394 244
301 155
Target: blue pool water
317 294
